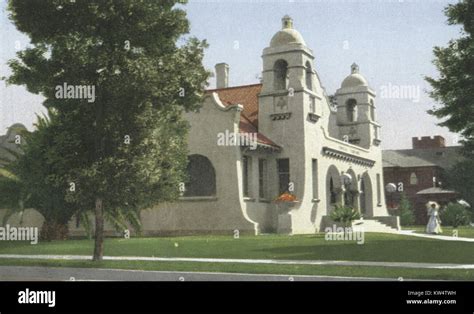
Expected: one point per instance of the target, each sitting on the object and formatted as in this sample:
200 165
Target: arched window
280 70
351 110
309 76
372 110
413 179
201 177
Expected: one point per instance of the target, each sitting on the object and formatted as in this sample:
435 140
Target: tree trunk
99 231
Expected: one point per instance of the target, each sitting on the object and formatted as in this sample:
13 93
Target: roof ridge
232 87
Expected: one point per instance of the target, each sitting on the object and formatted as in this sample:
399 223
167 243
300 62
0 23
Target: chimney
222 75
428 142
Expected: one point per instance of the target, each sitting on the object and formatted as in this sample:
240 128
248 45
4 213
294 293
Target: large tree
454 92
454 88
126 149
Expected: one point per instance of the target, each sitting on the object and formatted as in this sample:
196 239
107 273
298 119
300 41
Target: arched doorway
351 190
365 197
333 188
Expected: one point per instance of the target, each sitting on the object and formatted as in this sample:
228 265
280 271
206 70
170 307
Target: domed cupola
354 79
287 35
356 111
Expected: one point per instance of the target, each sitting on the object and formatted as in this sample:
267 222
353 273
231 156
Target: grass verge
376 247
346 271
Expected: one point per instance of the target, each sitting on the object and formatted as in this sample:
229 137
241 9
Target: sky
391 41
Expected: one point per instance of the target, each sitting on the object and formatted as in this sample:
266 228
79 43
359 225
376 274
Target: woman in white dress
434 223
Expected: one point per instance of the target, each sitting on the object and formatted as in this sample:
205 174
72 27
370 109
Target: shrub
455 215
344 215
405 211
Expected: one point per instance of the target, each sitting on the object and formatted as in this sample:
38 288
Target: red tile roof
246 126
247 96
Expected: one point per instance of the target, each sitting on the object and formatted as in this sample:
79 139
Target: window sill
315 200
197 198
248 199
312 117
263 200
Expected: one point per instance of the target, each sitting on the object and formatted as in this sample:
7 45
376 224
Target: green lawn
464 231
377 247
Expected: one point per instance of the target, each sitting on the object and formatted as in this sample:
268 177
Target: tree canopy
454 88
124 148
454 92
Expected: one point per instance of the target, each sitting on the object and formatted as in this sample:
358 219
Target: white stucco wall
223 213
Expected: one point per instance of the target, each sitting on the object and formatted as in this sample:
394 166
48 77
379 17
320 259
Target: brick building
419 172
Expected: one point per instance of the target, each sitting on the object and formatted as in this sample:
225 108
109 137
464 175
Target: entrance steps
372 225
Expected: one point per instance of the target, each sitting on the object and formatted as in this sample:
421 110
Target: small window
372 110
283 166
262 178
309 76
351 110
246 174
312 105
314 168
379 190
413 179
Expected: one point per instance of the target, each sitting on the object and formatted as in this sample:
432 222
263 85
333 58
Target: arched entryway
366 196
333 188
351 190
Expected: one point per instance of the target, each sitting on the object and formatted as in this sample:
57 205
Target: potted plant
286 202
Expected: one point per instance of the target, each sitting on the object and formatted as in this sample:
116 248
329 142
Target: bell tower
288 82
356 111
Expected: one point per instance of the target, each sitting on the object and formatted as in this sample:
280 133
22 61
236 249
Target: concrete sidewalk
434 236
246 261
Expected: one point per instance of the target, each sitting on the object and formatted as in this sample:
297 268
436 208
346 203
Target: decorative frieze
281 116
347 157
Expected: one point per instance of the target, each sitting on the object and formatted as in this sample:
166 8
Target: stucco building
281 135
249 144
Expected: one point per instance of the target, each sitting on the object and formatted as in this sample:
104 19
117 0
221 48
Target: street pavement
36 273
